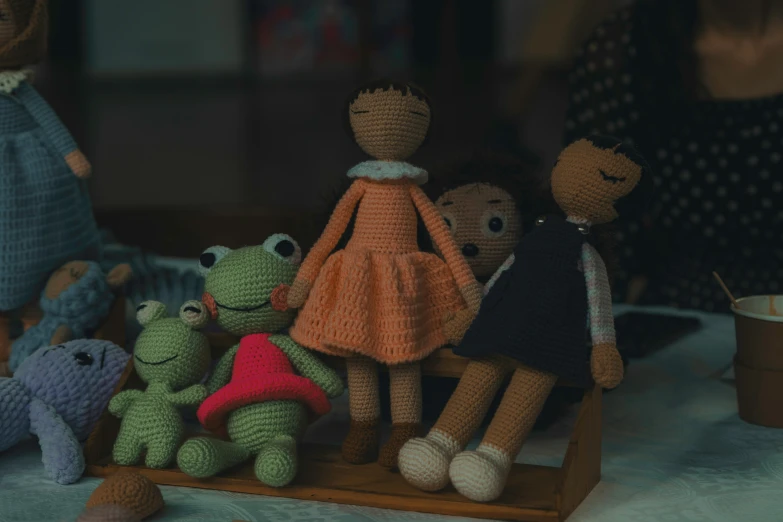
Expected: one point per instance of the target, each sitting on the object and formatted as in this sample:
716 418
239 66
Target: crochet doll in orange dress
380 299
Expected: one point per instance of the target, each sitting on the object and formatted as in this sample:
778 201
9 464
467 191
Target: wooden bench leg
581 469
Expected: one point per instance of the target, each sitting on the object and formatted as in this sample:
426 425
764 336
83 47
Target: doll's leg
425 462
162 449
361 444
405 387
481 475
206 457
277 462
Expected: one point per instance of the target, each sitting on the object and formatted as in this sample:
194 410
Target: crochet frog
172 357
535 324
257 400
57 395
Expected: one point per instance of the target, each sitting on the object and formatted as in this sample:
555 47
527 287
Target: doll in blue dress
46 217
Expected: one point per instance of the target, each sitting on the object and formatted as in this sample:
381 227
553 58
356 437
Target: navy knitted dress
46 217
537 312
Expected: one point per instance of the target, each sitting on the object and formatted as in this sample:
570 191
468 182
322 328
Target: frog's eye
284 247
194 314
210 257
149 311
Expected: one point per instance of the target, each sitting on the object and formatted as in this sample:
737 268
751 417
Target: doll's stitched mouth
248 309
155 363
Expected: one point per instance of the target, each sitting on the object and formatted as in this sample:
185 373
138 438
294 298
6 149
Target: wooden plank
533 493
530 494
582 463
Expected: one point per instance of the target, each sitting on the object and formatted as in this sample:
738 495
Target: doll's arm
469 287
120 403
222 373
499 272
331 235
63 458
62 140
191 396
605 361
309 365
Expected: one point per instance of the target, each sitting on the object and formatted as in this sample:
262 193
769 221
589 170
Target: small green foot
127 450
276 464
204 457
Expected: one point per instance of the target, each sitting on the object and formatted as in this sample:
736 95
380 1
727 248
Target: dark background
240 139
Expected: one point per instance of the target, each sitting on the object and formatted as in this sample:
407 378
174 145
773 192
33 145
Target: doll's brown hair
384 84
510 172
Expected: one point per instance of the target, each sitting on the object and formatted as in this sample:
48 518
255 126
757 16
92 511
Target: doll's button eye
83 358
448 222
496 224
207 259
493 224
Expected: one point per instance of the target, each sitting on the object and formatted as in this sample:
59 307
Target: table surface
674 449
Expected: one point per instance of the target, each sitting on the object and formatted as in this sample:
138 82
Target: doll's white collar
10 80
578 221
378 170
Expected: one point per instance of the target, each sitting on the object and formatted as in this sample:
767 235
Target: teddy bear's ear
119 275
149 311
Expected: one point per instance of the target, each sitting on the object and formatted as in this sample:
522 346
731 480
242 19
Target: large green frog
257 401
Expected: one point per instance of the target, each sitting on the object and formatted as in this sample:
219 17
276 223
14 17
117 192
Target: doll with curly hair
547 317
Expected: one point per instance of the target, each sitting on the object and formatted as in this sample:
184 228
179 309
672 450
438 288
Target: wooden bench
533 493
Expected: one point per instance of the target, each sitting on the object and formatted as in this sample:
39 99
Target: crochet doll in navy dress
536 324
46 217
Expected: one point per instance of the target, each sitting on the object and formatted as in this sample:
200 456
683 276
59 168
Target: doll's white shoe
480 475
424 462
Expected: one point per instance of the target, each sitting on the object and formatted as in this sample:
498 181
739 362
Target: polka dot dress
718 176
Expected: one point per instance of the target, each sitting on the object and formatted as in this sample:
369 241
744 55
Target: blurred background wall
236 103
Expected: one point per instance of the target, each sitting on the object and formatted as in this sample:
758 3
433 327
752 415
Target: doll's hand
472 293
455 325
298 293
79 164
606 366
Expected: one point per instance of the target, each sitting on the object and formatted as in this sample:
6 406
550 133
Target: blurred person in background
697 86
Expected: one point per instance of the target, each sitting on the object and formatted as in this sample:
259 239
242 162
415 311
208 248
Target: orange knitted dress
380 296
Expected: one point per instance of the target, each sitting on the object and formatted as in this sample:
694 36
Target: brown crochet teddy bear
532 325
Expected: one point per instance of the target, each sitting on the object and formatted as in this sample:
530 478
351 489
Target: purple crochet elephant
58 394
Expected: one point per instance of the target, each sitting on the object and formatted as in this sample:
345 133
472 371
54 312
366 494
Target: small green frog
172 357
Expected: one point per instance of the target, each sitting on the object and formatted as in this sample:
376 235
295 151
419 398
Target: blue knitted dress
46 217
